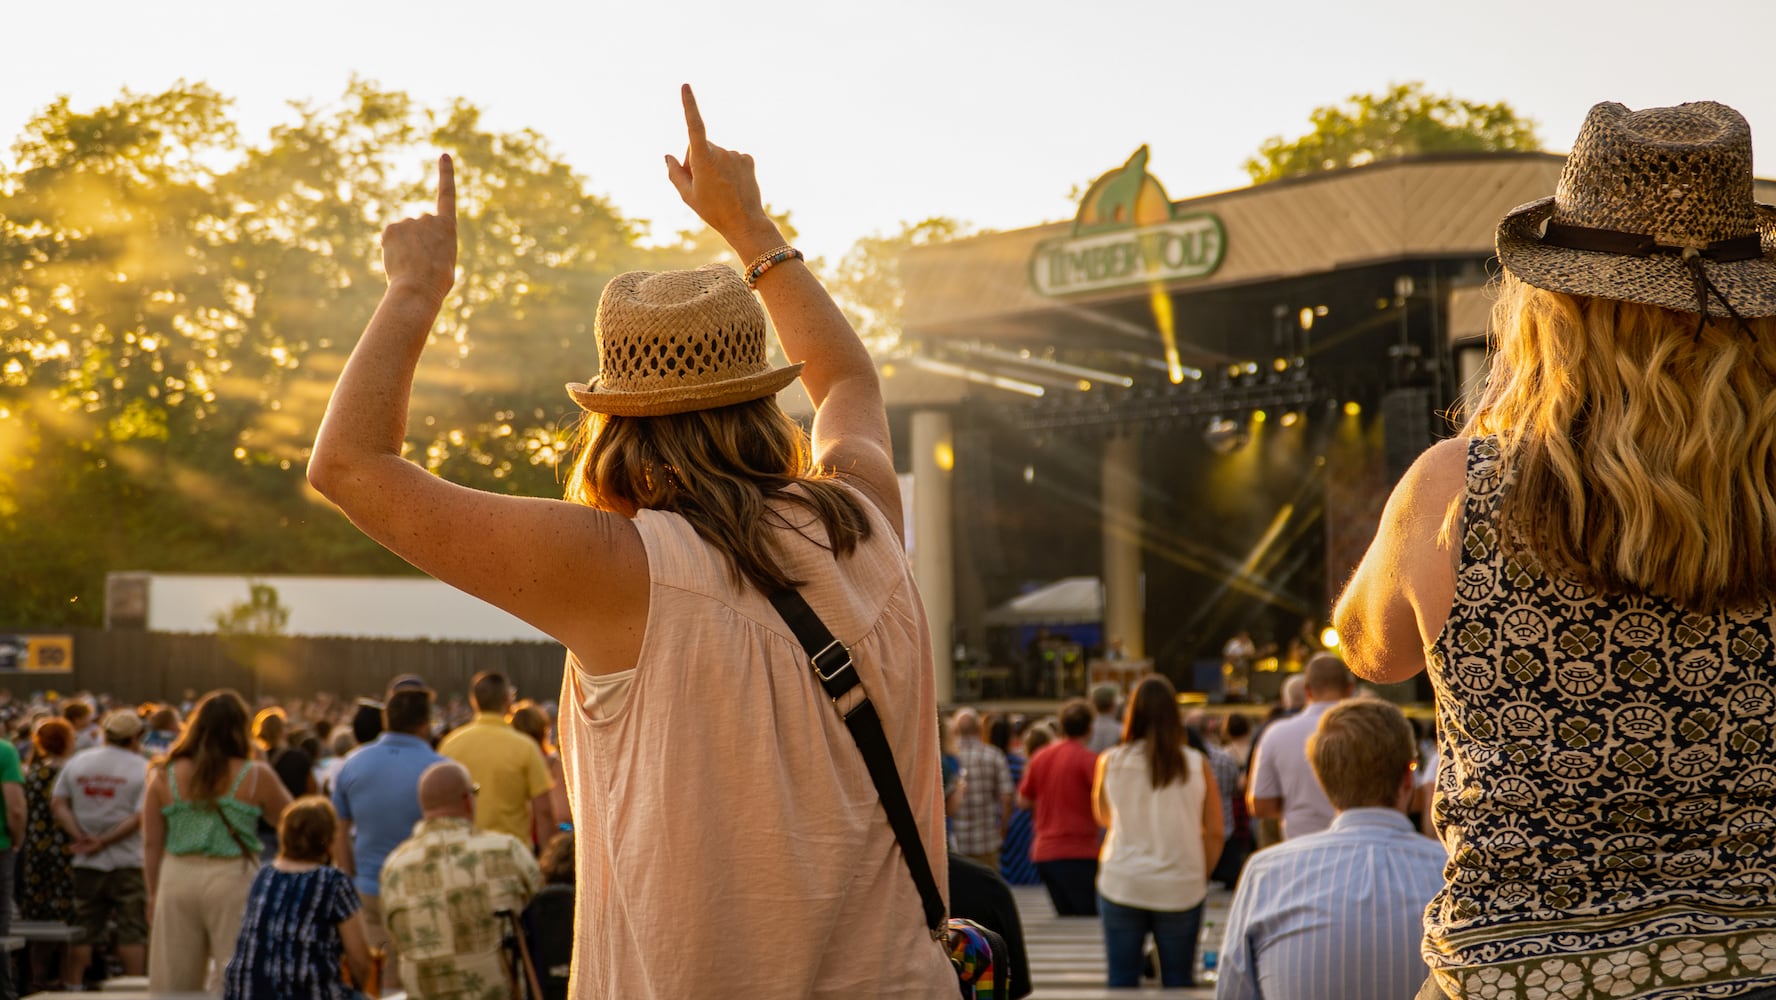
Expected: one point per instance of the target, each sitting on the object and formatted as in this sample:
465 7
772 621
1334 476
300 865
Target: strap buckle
839 657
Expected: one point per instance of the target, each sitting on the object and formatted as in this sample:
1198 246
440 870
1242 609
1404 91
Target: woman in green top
200 842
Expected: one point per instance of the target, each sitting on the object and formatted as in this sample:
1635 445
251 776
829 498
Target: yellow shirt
508 766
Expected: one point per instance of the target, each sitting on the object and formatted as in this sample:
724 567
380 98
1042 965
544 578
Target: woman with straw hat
1589 575
729 838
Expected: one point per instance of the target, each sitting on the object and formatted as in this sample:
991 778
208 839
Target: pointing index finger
693 118
446 188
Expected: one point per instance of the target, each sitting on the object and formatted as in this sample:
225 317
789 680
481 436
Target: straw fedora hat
1654 206
677 341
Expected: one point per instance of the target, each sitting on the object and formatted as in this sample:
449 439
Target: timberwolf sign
1126 233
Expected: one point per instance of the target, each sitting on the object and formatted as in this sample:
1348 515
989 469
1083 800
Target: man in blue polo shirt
376 794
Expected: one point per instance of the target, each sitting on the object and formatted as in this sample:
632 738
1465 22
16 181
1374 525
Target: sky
862 117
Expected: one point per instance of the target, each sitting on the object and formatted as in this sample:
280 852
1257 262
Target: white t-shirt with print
104 787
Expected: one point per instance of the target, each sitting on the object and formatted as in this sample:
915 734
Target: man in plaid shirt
979 823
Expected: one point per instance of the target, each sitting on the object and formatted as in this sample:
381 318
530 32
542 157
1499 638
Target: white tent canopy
1075 600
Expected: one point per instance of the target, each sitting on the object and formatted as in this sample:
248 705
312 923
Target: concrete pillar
934 561
1120 482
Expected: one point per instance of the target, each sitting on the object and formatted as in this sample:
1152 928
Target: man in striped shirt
1339 915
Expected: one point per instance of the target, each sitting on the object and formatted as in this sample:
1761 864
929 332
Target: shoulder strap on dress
238 778
172 780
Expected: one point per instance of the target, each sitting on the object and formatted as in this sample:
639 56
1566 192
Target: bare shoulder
1438 476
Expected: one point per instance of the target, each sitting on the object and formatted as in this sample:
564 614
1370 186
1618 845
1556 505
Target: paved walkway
1067 953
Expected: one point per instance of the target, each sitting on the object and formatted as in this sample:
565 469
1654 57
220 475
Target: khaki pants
197 917
376 936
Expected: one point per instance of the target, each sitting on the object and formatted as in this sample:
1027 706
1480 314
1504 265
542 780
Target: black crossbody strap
838 675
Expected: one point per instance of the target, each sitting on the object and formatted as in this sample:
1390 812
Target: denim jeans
1174 937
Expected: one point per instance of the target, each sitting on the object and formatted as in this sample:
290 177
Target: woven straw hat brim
1657 279
683 399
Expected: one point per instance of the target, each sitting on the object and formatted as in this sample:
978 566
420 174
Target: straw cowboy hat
1654 206
677 341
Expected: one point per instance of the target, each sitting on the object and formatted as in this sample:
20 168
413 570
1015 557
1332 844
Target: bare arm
1262 807
344 858
1399 596
1214 838
357 948
63 811
543 808
505 550
121 830
1100 798
269 793
154 831
850 424
15 809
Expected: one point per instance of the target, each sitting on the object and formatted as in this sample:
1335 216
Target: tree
1403 121
866 282
252 631
176 304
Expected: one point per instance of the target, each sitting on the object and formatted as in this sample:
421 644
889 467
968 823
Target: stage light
1223 435
1291 418
1251 368
1280 365
1233 370
1352 408
1029 473
1329 637
1259 416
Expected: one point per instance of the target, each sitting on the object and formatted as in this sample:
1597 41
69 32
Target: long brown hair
1643 449
719 469
216 737
1153 716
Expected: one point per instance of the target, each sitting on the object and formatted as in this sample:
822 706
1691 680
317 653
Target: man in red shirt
1057 788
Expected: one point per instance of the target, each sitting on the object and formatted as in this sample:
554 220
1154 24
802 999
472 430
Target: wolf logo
1113 203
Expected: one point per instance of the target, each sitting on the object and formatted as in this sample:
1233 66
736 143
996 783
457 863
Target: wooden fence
156 666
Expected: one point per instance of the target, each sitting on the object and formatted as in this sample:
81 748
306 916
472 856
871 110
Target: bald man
985 811
443 888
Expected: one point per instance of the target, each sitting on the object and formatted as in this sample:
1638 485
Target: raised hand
718 184
421 253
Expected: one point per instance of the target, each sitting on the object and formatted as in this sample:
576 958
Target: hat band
1640 245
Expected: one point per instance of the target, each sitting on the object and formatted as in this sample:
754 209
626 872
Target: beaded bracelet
769 259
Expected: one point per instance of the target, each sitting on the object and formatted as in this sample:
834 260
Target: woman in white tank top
1161 806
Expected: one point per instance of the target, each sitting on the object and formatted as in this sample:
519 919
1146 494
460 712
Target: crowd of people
292 851
1138 808
1585 572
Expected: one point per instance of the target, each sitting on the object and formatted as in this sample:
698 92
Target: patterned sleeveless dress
1608 793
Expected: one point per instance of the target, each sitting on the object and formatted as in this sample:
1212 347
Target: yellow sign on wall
49 653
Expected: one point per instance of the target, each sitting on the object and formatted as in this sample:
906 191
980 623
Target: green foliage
1401 122
866 282
175 305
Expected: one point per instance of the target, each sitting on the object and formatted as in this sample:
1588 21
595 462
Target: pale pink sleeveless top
729 839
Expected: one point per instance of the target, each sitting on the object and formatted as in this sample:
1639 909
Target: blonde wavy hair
1643 451
719 469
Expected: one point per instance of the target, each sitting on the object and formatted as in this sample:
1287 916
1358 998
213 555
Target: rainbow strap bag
977 953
